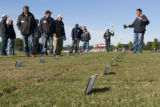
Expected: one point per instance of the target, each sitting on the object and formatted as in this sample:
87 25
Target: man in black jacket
139 26
4 34
11 37
76 36
60 35
26 24
37 35
47 28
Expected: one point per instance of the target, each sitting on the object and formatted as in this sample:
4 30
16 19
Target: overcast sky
97 15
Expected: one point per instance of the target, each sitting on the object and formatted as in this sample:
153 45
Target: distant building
99 48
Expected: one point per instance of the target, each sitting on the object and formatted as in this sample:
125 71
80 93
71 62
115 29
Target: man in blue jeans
86 37
107 37
4 34
139 26
47 28
76 36
11 37
26 24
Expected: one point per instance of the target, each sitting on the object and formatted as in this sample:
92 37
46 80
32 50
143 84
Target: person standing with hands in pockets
26 24
47 28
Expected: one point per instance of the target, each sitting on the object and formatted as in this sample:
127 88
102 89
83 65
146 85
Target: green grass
61 83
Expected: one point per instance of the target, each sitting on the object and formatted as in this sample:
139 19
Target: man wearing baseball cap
4 34
76 36
60 35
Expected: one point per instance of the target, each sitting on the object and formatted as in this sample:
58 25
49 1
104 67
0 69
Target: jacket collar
28 14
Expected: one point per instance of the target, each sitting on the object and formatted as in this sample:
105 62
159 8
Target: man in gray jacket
26 24
4 34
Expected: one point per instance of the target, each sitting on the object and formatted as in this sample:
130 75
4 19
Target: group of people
80 34
139 26
46 31
38 36
8 35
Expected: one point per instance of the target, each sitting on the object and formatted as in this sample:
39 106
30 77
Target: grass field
62 82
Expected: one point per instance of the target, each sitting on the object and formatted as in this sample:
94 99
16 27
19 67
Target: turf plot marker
90 84
112 62
67 55
80 53
75 54
18 64
117 58
106 70
56 57
41 60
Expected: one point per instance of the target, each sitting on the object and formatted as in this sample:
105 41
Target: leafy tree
130 45
112 47
155 44
19 44
119 46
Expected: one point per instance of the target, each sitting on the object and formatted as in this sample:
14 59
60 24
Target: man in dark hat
47 28
76 36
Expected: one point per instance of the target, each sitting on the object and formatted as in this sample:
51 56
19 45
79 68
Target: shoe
3 55
51 55
27 56
31 55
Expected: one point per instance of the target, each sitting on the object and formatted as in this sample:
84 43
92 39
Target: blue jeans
85 46
107 45
3 45
75 44
28 49
138 42
10 46
41 45
46 39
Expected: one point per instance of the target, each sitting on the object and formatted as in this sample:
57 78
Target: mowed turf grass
134 81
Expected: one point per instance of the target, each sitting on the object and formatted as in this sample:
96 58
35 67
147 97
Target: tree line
149 46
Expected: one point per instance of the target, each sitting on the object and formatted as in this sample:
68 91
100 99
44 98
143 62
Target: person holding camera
107 37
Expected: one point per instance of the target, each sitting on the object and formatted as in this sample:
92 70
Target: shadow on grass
115 65
111 73
119 60
100 90
9 90
1 94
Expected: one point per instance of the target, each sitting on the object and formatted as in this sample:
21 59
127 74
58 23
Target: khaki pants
58 45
